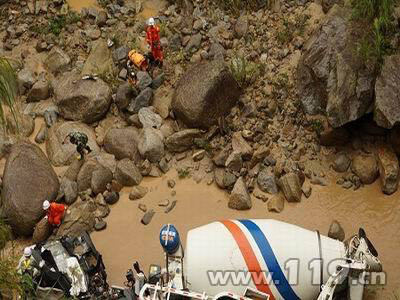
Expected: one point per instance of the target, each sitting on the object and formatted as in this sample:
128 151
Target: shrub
245 71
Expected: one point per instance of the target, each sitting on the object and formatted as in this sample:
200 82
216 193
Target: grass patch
56 24
290 29
103 3
110 79
183 173
203 144
245 71
375 43
317 126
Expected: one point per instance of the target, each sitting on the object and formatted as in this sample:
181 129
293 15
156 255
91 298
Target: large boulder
151 145
387 93
82 100
365 167
57 61
78 218
331 78
64 154
99 60
388 166
28 180
205 92
122 143
267 181
127 173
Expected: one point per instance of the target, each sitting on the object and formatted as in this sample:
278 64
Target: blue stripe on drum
275 270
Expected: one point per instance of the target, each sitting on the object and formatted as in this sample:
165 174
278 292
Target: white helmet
27 251
151 22
46 205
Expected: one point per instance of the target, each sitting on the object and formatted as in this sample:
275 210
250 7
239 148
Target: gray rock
50 116
26 169
148 216
162 101
149 118
142 207
194 43
99 60
223 178
171 183
240 197
125 95
163 165
217 51
331 79
240 145
142 100
267 181
127 174
158 81
342 163
306 189
388 166
234 161
143 80
291 187
206 92
57 61
120 54
69 189
84 177
182 140
336 231
387 97
41 135
101 176
171 206
64 154
40 91
318 180
25 79
78 218
42 231
82 100
276 203
138 192
151 144
220 157
365 167
100 225
111 197
122 143
26 124
199 155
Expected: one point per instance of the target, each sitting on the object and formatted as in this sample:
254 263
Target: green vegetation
203 144
317 126
8 91
110 79
375 44
290 29
183 172
245 71
56 24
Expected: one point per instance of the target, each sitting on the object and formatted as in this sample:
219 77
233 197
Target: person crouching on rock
80 140
54 212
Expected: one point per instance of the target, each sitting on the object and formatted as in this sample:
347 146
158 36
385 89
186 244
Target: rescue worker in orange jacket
54 212
153 39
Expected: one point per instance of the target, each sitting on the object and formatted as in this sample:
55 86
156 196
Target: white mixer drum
273 257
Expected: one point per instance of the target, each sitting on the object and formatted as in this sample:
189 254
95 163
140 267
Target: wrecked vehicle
231 259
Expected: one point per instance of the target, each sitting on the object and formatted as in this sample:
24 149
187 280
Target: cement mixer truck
260 259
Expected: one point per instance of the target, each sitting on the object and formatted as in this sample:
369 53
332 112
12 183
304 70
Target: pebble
164 203
171 183
148 216
142 207
100 225
171 207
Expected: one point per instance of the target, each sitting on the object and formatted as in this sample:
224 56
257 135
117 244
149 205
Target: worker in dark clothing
80 140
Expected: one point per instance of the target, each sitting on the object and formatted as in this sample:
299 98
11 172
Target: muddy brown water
126 239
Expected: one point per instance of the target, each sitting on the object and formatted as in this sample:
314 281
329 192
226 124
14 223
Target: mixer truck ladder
155 290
